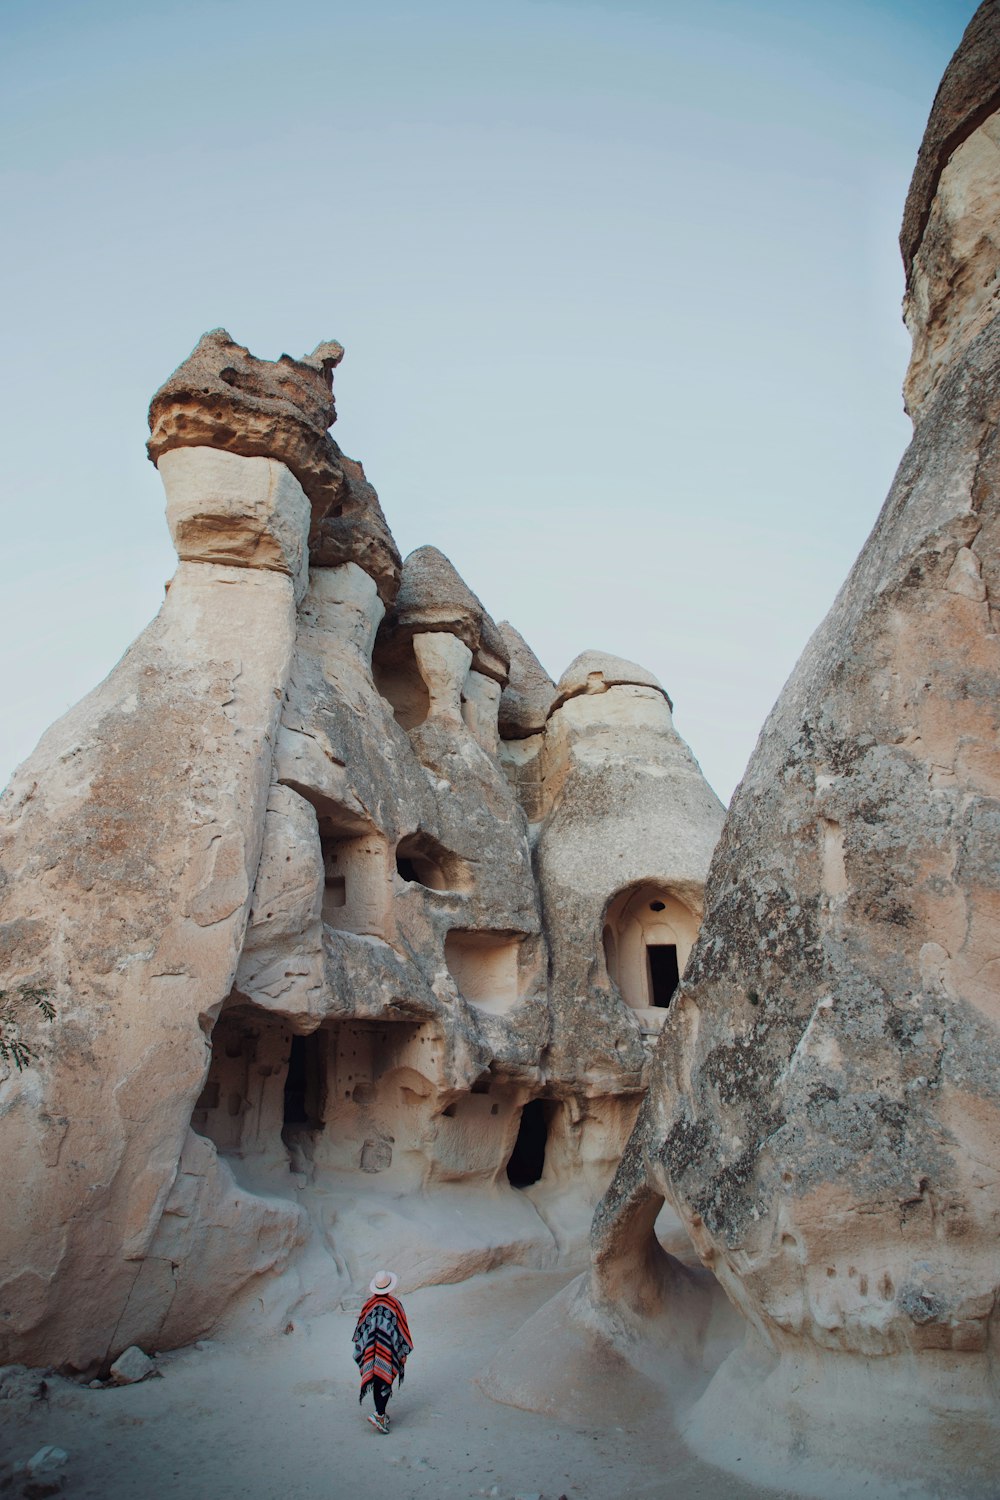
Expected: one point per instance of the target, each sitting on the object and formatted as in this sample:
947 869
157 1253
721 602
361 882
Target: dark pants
381 1392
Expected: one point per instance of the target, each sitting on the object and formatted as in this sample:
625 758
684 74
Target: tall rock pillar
826 1117
129 846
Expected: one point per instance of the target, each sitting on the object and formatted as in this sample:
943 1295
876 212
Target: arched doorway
648 935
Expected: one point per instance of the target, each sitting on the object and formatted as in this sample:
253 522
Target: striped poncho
382 1341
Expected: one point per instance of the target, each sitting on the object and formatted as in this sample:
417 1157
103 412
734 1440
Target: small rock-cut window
422 860
355 879
484 966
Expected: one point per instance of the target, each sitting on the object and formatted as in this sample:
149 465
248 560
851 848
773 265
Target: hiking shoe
377 1422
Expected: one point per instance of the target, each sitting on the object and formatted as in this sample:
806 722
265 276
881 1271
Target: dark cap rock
433 597
223 396
968 94
529 694
354 529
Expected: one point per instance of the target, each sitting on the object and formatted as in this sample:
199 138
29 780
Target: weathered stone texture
626 809
432 597
223 397
597 671
277 875
949 238
528 696
824 1111
968 94
355 530
129 847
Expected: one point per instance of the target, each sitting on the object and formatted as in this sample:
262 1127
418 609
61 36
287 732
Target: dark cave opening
527 1160
304 1082
664 976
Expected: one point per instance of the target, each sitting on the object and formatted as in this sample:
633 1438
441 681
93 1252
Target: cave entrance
304 1082
648 936
664 975
527 1160
266 1087
422 860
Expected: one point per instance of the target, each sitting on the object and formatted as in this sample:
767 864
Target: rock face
527 697
223 397
347 970
824 1107
949 234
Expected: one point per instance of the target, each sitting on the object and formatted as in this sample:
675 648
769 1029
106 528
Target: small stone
47 1460
95 1385
131 1367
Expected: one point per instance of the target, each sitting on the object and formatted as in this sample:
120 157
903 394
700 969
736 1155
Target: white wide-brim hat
383 1283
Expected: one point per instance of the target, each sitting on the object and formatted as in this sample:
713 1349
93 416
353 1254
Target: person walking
382 1344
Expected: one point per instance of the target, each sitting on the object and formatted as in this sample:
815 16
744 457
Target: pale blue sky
618 285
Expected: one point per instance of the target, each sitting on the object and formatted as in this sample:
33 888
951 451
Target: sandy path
279 1420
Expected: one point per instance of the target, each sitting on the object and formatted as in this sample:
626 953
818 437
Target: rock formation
324 883
824 1108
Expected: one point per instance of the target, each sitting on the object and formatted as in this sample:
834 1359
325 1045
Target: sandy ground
278 1419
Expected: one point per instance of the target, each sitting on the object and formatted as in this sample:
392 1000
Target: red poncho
382 1341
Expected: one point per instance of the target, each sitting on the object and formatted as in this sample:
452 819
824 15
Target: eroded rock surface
824 1107
223 397
315 1006
950 237
527 698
